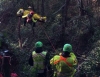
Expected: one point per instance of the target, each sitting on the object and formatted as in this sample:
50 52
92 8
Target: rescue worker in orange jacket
65 63
39 60
30 16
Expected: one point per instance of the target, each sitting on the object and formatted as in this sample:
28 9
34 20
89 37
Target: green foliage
90 65
97 34
78 32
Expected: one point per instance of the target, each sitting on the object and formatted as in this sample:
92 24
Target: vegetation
68 21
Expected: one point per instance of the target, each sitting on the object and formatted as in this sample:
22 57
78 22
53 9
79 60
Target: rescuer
30 16
65 63
39 60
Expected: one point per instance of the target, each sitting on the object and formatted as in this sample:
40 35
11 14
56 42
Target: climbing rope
46 32
48 38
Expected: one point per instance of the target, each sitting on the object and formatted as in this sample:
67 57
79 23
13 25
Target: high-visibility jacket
38 59
24 13
36 17
64 67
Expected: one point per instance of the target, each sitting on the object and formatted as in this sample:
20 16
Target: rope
48 39
44 28
1 18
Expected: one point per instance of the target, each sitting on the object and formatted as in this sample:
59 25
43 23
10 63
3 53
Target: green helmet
67 47
38 44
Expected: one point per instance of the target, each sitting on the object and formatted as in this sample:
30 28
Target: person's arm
75 61
20 12
30 61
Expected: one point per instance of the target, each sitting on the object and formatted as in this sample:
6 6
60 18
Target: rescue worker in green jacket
65 63
39 60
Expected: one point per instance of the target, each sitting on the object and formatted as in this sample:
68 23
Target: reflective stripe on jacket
39 59
64 67
25 14
63 59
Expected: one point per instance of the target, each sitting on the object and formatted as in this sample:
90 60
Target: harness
63 59
31 18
